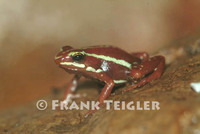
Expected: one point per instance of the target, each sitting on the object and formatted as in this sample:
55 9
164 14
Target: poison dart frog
108 64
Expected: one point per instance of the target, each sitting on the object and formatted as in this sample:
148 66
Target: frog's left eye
78 57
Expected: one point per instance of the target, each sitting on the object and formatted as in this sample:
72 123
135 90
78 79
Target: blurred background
32 32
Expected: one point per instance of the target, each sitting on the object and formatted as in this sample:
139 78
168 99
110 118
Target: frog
110 65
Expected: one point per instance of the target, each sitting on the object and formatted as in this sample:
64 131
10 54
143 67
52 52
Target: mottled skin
108 64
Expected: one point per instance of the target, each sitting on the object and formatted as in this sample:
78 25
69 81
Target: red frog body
108 64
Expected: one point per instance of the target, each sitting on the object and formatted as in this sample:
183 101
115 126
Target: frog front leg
154 65
71 87
109 84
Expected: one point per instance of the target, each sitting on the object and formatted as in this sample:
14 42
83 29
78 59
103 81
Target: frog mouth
73 64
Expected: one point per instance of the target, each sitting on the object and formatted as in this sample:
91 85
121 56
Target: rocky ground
179 103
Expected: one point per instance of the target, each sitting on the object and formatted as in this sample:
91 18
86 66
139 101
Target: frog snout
58 58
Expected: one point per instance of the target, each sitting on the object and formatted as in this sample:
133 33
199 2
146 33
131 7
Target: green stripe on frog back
107 58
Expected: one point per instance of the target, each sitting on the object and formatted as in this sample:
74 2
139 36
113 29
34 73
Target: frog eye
78 57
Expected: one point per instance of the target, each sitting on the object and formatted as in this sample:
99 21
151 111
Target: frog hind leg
153 66
143 56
